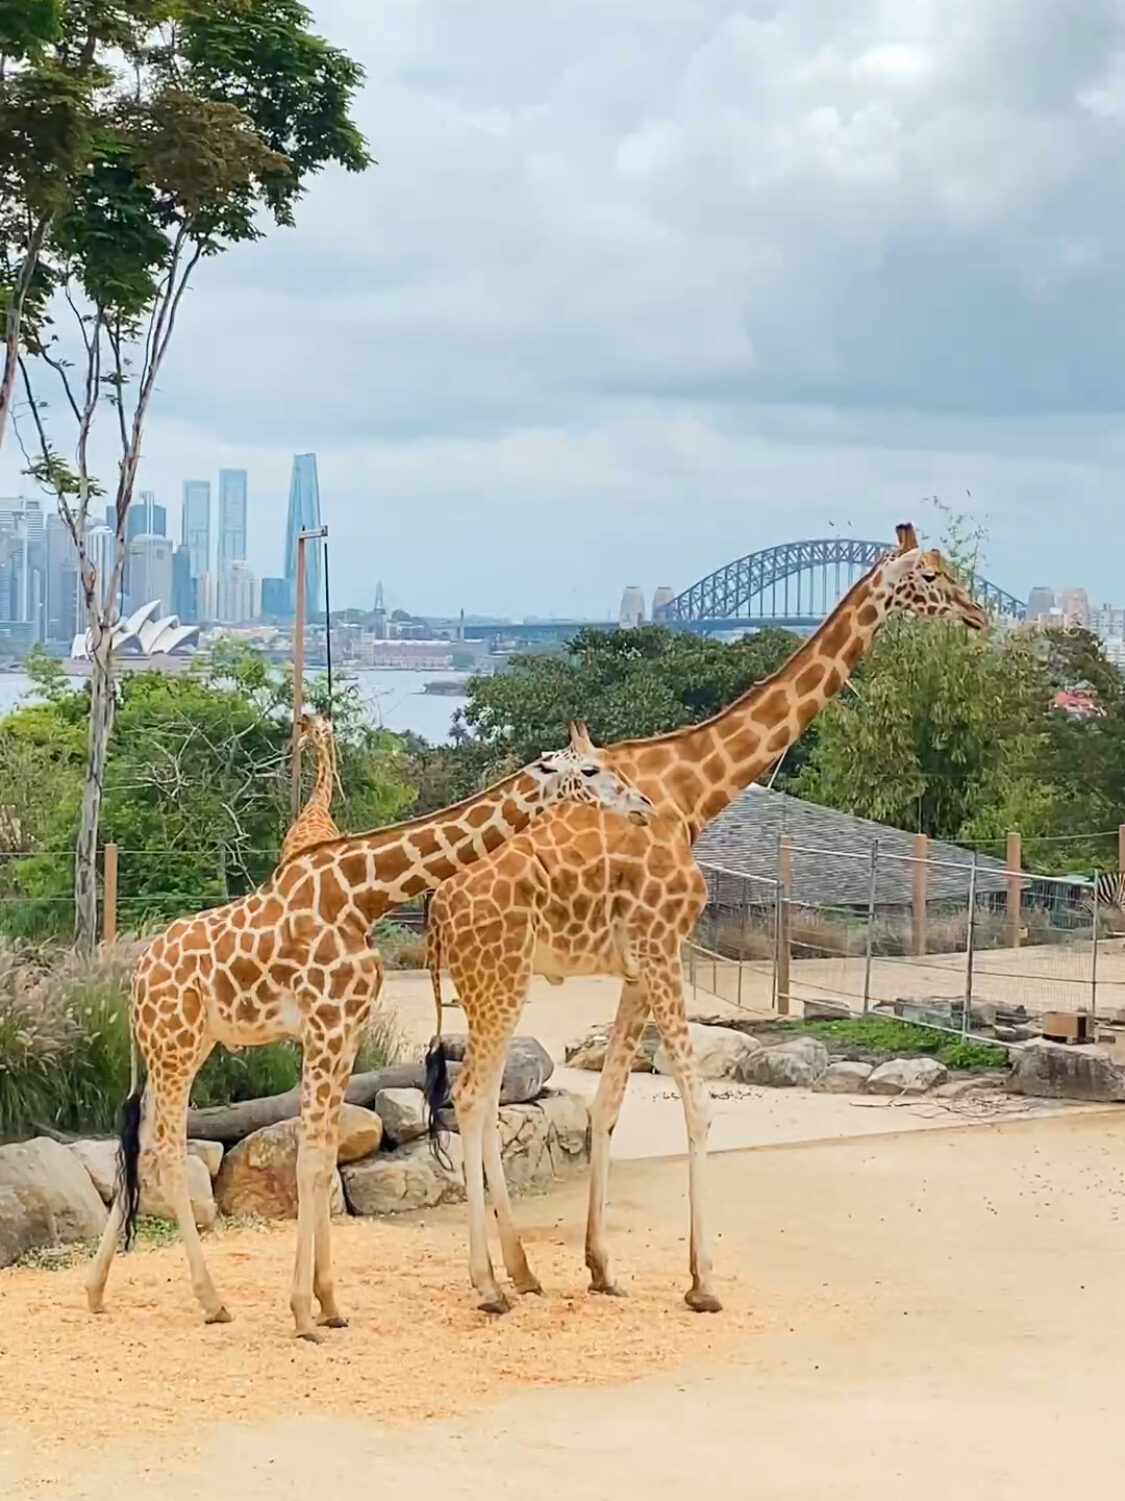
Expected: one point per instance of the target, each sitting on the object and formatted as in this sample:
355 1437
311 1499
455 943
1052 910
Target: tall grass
64 1045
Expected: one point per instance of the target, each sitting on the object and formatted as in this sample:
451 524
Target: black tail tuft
435 1092
129 1163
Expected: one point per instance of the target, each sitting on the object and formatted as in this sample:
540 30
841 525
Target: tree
208 119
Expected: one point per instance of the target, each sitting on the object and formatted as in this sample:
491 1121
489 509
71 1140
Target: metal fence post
109 894
1094 960
870 926
1015 889
967 1016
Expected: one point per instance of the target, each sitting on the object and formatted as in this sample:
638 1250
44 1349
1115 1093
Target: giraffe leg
107 1249
666 994
628 1025
523 1278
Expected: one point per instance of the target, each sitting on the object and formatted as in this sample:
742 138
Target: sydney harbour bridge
794 585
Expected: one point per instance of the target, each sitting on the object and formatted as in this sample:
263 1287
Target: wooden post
918 922
109 895
1015 889
784 888
298 676
1121 848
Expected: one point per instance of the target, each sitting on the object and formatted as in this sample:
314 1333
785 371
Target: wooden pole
921 854
298 676
1121 848
1015 889
784 888
109 895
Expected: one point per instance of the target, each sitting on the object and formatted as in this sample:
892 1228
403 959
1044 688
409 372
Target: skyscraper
196 524
150 573
632 611
232 518
183 586
304 515
145 518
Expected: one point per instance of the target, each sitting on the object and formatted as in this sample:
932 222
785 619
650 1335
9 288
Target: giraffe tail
129 1143
435 1090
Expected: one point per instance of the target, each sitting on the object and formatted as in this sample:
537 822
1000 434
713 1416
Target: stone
907 1076
1017 1032
846 1076
48 1168
986 1081
259 1175
589 1052
828 1009
1048 1070
26 1221
526 1072
154 1201
408 1178
719 1051
361 1132
797 1063
403 1113
99 1157
210 1152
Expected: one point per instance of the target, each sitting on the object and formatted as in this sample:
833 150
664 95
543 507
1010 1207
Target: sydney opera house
144 641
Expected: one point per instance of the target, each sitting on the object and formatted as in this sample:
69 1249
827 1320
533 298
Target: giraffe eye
589 771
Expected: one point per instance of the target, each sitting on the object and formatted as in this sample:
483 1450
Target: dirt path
935 1314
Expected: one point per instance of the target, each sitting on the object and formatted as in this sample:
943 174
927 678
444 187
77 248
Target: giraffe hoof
529 1286
701 1302
606 1289
220 1316
333 1321
497 1305
310 1336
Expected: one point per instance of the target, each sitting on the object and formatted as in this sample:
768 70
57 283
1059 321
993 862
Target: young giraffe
293 960
314 823
572 887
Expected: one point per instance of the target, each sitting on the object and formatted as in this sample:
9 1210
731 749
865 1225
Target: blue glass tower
304 515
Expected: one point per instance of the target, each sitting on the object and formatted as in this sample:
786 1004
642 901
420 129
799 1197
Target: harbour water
394 699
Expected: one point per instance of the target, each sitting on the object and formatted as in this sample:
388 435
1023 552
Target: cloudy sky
642 285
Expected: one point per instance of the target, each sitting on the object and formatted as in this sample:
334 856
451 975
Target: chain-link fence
960 942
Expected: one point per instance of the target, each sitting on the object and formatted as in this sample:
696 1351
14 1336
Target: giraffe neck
371 872
703 768
325 787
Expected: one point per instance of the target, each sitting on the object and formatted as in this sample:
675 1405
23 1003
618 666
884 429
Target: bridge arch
797 581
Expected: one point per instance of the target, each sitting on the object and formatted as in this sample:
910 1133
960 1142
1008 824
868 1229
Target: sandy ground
931 1314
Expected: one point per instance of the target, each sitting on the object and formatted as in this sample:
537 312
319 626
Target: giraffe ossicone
293 959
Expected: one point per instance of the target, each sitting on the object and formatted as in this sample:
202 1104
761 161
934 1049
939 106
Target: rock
987 1081
983 1014
403 1113
259 1175
361 1132
799 1062
155 1202
828 1009
589 1052
844 1077
26 1221
1049 1070
99 1158
408 1178
527 1070
719 1051
49 1169
1017 1032
209 1152
907 1076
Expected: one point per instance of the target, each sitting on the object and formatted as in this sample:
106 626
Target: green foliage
897 1039
196 790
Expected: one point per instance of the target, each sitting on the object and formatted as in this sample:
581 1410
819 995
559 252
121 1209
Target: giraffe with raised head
579 892
314 823
293 959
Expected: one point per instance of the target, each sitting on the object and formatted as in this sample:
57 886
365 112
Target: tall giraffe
314 823
293 960
577 894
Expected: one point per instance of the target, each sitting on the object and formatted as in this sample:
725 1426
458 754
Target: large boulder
1054 1071
798 1063
155 1201
847 1076
49 1169
410 1177
26 1221
99 1157
259 1175
210 1152
589 1052
907 1076
361 1132
526 1072
403 1113
720 1052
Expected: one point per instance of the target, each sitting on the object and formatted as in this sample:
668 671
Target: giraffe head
316 729
579 774
920 583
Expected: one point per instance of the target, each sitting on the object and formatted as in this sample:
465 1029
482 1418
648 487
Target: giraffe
315 823
580 905
292 959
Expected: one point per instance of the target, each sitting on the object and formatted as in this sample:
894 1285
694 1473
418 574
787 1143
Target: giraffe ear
907 536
